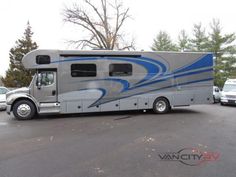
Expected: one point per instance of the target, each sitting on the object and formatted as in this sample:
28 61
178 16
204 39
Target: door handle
54 92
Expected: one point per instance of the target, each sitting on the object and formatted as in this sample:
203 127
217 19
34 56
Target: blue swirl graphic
156 72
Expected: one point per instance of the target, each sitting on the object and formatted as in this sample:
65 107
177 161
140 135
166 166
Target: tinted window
120 69
83 70
3 91
43 59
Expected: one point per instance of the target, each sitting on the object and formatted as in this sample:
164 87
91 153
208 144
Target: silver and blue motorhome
69 81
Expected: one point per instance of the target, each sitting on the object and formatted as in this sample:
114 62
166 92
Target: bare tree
102 21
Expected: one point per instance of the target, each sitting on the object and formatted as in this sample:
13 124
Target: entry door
47 91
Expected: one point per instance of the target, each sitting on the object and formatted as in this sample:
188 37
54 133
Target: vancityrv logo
190 156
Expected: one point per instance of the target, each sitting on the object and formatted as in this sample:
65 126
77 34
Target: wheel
222 104
161 106
24 110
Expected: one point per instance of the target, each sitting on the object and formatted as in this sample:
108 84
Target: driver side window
47 78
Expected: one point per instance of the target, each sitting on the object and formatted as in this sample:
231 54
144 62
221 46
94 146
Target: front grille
230 96
2 101
231 102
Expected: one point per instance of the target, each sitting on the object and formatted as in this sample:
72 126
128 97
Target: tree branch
103 33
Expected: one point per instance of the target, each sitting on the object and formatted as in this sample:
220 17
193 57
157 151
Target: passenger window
120 69
47 78
83 70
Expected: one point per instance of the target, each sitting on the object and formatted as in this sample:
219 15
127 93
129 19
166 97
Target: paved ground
119 144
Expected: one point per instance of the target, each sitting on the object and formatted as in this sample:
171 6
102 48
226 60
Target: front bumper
3 106
228 101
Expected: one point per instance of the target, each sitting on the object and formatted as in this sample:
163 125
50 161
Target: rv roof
115 52
30 60
104 52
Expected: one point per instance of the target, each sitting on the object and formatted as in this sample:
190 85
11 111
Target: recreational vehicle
73 81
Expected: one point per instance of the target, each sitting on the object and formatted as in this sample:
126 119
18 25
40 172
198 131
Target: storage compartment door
74 107
129 104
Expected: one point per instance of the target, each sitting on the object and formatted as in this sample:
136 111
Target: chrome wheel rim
161 106
23 110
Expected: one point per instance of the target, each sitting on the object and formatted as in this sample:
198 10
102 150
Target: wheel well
20 99
162 97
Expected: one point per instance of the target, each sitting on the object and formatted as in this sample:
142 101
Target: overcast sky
148 18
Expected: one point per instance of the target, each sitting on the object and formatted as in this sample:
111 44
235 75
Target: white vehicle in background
216 94
228 94
3 91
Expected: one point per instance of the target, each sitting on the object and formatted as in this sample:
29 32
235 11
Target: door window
47 78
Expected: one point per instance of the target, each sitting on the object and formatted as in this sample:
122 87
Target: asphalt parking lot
125 144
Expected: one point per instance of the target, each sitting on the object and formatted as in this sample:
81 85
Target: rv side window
43 59
120 69
83 70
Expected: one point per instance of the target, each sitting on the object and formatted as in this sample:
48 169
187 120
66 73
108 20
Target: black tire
20 114
222 104
161 106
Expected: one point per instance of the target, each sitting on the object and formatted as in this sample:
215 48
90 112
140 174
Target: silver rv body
95 81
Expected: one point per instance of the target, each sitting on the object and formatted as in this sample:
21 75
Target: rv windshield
229 87
32 81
